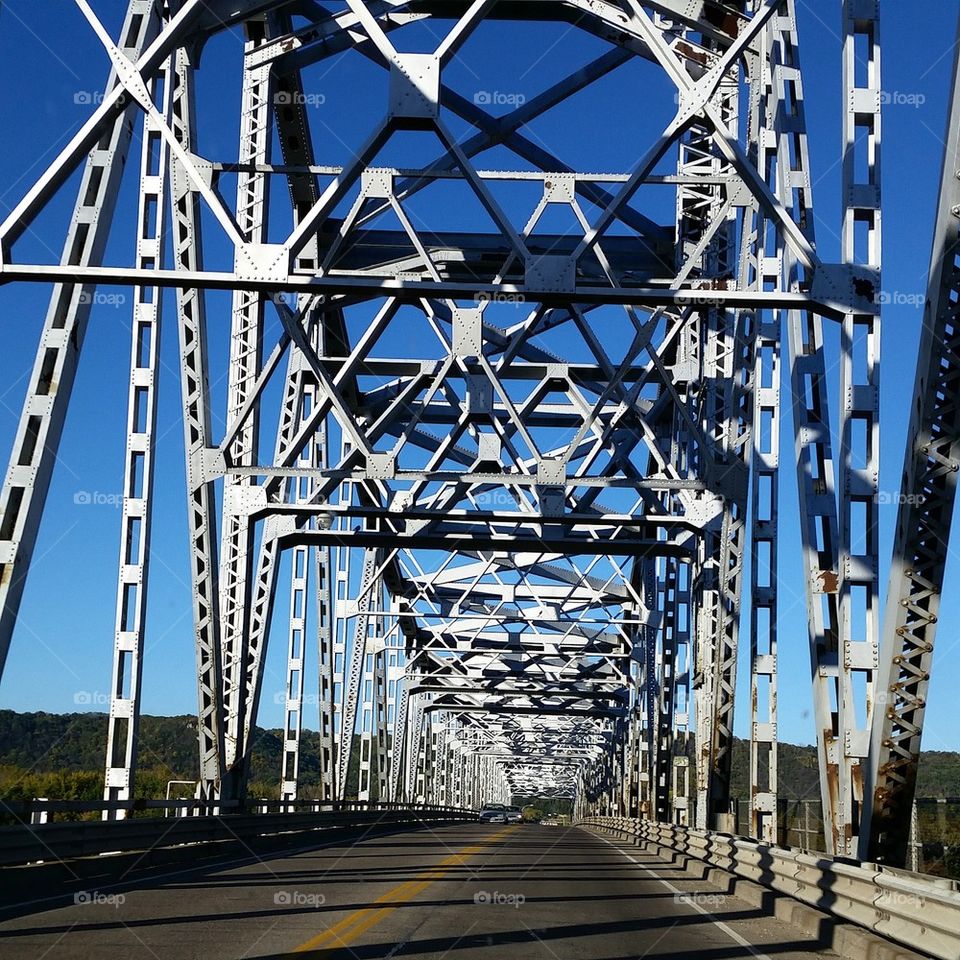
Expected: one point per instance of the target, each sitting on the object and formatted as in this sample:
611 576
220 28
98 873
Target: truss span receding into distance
511 407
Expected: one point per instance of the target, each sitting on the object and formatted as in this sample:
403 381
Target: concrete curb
844 938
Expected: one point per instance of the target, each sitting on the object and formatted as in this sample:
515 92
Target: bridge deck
468 892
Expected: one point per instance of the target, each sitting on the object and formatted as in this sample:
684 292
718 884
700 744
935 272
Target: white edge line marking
732 934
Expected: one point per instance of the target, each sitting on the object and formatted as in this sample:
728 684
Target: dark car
493 813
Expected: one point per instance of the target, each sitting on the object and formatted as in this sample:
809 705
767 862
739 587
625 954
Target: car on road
513 815
493 813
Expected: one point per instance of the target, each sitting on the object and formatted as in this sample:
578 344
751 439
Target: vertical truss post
341 626
361 647
135 523
922 534
325 658
438 783
859 600
380 722
195 390
300 388
705 600
296 382
665 715
294 138
649 693
301 382
681 696
681 791
702 206
761 269
293 692
393 677
456 774
414 749
763 610
425 760
811 416
372 710
631 800
246 336
398 750
51 380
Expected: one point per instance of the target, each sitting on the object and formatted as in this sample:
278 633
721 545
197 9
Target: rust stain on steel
829 581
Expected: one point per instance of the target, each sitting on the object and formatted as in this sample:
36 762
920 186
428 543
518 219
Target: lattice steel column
859 600
706 214
398 749
415 738
325 659
301 384
665 716
682 703
135 523
353 689
246 338
372 710
921 541
811 421
762 269
341 557
293 692
195 389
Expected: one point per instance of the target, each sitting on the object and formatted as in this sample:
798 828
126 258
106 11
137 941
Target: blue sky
53 65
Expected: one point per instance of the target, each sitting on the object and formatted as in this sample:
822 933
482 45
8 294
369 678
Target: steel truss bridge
515 423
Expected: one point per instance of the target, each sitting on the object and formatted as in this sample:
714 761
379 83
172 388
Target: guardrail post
39 816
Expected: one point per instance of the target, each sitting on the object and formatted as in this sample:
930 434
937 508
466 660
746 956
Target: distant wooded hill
37 744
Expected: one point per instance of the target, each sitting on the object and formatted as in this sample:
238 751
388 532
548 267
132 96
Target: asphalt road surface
466 892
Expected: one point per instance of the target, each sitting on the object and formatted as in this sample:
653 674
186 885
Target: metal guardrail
27 811
919 912
25 843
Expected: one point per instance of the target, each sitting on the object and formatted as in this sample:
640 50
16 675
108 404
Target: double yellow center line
346 931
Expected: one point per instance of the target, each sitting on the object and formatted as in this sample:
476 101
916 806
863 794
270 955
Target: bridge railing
920 912
25 842
41 810
934 845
